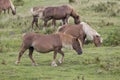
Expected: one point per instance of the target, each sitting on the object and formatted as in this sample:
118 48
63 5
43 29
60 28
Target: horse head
97 41
77 46
14 12
77 20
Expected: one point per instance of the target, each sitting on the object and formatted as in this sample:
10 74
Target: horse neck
66 40
74 14
12 6
90 33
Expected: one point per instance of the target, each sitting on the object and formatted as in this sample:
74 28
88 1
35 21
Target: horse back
74 30
56 12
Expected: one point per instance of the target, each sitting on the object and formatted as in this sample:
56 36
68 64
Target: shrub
113 39
18 2
111 8
72 1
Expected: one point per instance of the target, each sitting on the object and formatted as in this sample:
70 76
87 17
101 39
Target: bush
113 39
18 2
111 8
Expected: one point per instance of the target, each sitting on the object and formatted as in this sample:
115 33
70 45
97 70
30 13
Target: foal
46 43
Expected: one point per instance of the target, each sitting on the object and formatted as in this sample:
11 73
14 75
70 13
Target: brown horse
47 43
55 13
6 5
82 31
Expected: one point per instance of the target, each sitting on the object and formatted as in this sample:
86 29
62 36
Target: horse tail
33 12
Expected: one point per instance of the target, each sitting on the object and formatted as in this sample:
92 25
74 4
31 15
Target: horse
46 43
6 5
83 31
60 13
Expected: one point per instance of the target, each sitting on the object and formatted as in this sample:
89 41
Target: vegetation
94 64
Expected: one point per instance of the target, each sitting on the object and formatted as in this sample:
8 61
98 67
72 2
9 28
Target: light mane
90 33
12 6
66 40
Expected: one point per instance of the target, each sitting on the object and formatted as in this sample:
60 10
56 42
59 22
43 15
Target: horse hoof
54 64
34 64
17 62
60 61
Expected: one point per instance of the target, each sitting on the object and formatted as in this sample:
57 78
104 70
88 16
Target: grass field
94 64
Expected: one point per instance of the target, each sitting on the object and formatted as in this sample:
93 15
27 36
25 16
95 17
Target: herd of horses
67 35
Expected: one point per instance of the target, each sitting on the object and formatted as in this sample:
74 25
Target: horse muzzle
79 52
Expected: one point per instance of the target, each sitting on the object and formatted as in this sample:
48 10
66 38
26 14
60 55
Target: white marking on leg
53 63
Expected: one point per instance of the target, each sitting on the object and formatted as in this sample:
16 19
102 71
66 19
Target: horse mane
90 32
67 40
12 6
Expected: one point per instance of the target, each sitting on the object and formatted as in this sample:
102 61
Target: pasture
94 64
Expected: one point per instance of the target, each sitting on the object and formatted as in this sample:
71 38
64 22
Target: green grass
94 64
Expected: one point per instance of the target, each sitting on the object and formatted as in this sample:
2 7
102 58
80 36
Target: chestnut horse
55 13
6 5
82 31
46 43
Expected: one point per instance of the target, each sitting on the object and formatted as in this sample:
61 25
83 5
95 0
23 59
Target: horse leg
62 58
66 20
35 20
8 10
45 24
53 23
63 20
54 59
4 11
23 49
31 49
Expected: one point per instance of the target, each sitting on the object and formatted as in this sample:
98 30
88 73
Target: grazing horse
83 32
7 4
46 43
55 13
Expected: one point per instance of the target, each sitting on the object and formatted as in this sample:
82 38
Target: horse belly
42 47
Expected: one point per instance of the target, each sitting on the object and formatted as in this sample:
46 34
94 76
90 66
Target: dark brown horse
55 13
6 5
46 43
82 31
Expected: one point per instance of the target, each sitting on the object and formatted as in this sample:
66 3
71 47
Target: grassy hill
94 64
